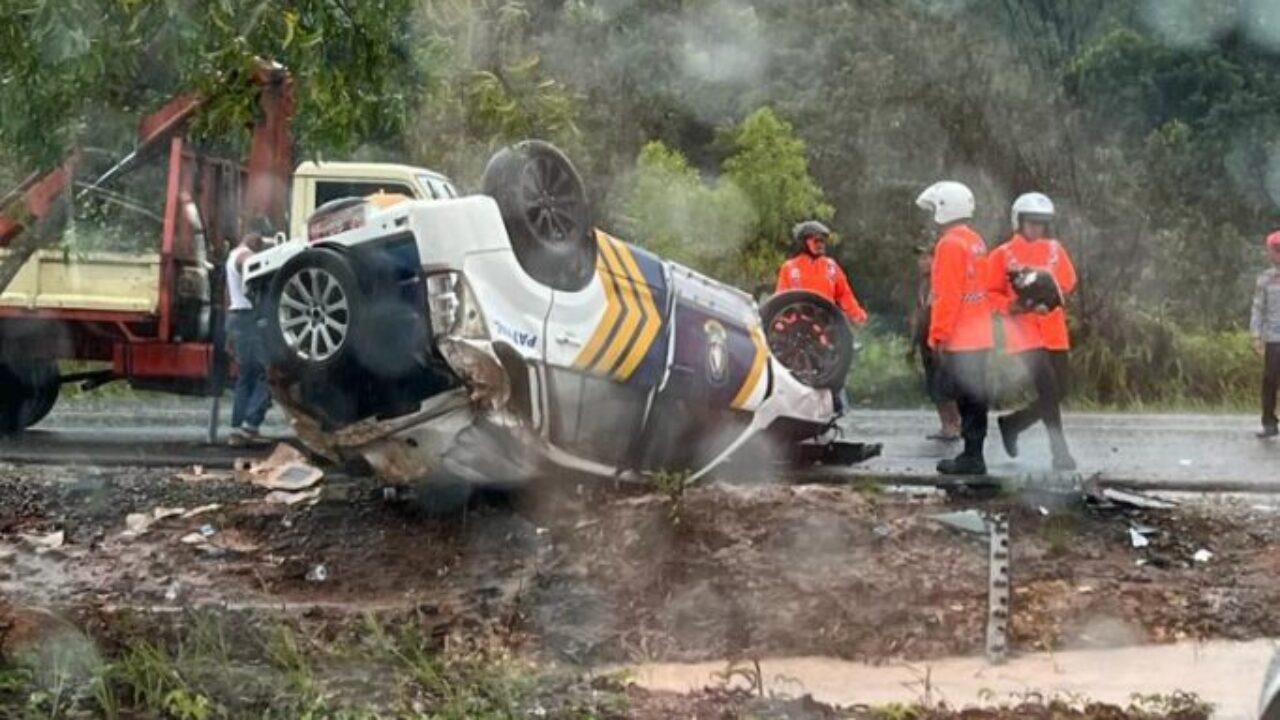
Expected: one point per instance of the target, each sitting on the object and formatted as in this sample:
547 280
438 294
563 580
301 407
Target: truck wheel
544 207
45 397
810 336
313 311
29 389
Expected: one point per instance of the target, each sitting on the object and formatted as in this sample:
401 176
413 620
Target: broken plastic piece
1202 556
970 521
319 573
280 497
50 541
1138 539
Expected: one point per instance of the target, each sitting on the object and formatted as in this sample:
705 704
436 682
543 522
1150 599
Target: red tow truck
152 313
151 318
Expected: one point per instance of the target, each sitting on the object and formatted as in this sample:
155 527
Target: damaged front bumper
464 433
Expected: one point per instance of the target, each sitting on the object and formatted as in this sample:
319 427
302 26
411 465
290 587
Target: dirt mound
601 575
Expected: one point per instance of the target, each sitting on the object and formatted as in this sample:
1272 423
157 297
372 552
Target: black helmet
805 230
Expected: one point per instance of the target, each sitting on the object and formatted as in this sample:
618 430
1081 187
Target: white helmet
948 201
1032 203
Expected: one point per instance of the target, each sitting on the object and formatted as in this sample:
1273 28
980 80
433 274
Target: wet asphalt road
1171 448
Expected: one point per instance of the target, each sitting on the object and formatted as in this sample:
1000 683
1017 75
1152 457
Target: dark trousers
252 395
1049 371
1270 384
964 379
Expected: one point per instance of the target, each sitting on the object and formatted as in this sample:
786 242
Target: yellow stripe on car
611 312
757 370
630 305
652 318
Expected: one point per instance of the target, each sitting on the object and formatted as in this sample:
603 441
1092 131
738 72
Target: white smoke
1261 22
1190 23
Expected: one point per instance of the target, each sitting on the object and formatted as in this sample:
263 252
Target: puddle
1227 674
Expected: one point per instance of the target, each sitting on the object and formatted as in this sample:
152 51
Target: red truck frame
149 349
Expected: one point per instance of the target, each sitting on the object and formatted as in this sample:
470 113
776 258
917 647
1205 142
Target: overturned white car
493 336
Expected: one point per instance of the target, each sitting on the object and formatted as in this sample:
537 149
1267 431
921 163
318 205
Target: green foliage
278 670
768 162
488 86
736 228
81 70
881 374
669 209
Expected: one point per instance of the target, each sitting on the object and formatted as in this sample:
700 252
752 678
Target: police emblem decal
717 352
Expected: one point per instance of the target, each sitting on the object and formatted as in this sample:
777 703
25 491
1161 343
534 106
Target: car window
327 190
440 189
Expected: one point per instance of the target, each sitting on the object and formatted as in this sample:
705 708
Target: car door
606 352
718 374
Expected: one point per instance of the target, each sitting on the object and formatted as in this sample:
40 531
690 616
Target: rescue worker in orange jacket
810 268
960 325
1035 332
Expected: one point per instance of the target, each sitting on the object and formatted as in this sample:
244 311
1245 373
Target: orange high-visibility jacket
823 276
1030 331
960 319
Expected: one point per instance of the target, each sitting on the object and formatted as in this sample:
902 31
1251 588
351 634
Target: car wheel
544 207
313 312
810 336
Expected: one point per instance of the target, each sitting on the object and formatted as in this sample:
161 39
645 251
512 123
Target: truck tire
313 312
544 207
810 336
29 390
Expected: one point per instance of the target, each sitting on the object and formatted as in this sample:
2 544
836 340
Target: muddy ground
588 575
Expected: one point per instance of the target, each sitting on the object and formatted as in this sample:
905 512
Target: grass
208 670
211 666
1181 371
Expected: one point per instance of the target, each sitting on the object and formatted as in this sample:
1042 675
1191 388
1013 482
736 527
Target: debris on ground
1202 556
599 575
1109 497
286 468
283 497
48 541
970 521
137 524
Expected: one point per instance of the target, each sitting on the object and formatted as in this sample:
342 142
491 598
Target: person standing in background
1037 336
960 324
252 395
810 268
1264 325
948 415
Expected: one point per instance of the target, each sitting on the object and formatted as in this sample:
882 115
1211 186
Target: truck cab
162 308
317 183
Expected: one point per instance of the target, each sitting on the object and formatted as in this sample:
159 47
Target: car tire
809 336
545 210
313 312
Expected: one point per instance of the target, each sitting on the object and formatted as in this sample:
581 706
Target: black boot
1008 435
964 464
1063 462
1269 431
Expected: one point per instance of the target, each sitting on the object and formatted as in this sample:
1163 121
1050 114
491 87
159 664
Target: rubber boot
963 464
1008 435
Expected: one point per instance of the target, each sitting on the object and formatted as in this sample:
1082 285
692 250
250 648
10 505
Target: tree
80 72
487 87
736 227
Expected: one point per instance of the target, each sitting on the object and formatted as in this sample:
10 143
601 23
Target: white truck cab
316 183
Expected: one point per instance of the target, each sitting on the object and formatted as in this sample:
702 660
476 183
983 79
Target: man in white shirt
252 396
